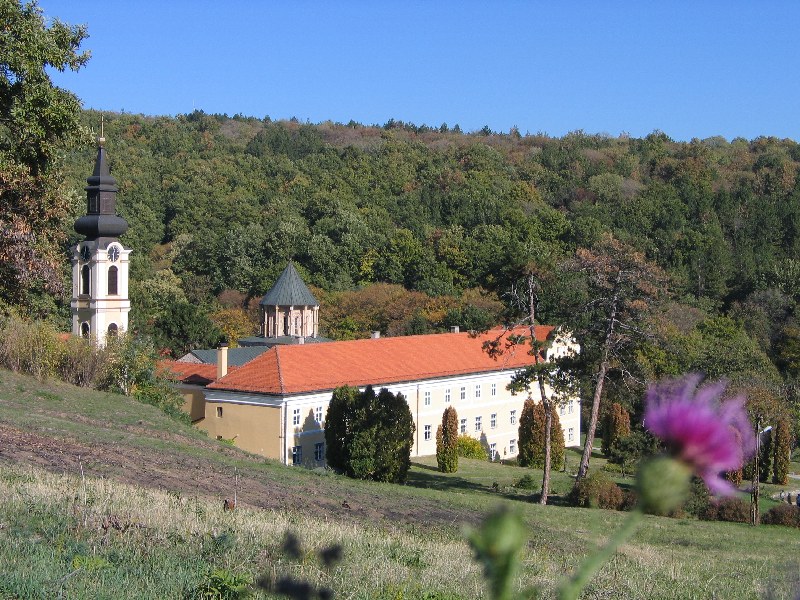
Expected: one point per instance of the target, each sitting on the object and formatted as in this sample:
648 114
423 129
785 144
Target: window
562 409
493 420
478 390
447 395
318 415
569 407
427 433
85 278
113 330
494 389
492 451
296 416
319 451
427 398
219 412
85 330
513 417
477 423
512 447
297 455
112 281
463 426
463 393
571 434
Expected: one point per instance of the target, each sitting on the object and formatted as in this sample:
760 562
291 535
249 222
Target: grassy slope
158 485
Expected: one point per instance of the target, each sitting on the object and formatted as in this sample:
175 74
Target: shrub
616 425
531 437
783 514
527 482
734 510
221 584
597 491
735 477
79 361
783 449
447 441
469 447
368 435
697 503
30 347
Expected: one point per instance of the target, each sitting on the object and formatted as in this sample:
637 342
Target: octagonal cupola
289 308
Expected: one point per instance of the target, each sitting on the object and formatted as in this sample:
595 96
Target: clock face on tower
86 253
113 254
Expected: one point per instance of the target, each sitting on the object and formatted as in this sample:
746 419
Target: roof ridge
280 373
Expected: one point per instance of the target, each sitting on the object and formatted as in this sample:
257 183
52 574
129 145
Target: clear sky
690 69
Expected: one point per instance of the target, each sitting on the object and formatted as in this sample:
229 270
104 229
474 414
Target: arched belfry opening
113 288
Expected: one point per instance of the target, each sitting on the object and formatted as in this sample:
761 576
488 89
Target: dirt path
190 475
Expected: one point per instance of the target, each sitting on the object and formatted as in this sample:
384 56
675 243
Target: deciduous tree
37 121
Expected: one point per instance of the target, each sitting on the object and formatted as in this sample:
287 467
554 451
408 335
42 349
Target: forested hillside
410 229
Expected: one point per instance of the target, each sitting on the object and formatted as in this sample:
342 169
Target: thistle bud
663 484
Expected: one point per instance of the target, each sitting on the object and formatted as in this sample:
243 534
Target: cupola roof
289 290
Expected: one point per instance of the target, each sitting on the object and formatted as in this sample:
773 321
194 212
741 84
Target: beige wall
252 427
194 401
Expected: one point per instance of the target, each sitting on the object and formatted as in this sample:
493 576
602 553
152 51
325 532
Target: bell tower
100 303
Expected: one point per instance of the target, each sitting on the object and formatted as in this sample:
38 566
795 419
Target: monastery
270 396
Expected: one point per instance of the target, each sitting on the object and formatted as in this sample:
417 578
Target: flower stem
571 588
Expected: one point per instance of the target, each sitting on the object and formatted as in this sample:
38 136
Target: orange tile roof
188 372
306 368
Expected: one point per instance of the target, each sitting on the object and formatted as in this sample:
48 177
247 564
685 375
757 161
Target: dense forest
410 229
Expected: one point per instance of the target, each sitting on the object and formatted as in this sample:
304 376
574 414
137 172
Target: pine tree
765 456
447 441
616 425
526 434
532 436
783 448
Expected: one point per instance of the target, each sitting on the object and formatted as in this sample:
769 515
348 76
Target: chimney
454 329
222 360
375 335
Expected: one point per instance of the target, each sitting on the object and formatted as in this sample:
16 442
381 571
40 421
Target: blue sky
690 69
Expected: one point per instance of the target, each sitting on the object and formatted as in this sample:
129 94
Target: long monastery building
275 404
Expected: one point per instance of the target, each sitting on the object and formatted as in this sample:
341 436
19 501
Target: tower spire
101 219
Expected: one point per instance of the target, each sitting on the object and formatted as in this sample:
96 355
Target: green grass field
107 498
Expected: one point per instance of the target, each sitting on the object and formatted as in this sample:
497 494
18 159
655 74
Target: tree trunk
601 379
755 513
587 446
548 425
548 422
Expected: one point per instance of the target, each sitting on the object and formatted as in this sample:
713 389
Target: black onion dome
101 219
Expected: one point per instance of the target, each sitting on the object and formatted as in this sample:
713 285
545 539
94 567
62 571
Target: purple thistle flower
709 436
